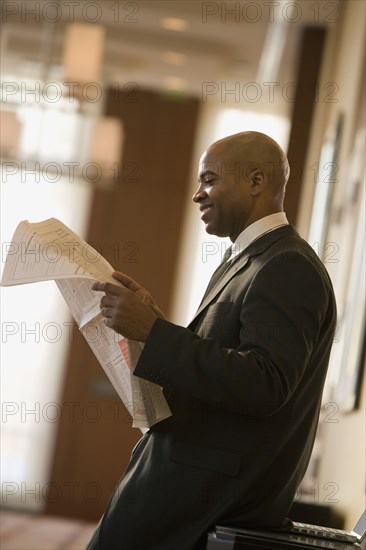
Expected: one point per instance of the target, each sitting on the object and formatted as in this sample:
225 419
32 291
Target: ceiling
224 43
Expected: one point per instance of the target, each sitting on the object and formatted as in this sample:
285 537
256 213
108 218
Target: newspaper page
49 250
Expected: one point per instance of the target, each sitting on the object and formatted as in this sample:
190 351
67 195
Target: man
243 381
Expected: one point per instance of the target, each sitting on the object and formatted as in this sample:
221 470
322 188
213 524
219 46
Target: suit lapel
257 247
237 264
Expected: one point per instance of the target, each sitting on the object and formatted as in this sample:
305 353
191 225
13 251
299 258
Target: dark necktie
223 267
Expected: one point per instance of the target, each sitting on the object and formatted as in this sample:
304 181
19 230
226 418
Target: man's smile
205 208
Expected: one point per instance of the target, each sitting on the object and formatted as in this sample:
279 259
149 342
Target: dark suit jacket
244 383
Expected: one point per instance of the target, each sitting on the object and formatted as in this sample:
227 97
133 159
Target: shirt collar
256 230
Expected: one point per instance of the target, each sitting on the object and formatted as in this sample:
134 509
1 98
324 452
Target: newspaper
49 250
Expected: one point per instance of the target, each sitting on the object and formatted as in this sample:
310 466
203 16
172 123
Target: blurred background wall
106 109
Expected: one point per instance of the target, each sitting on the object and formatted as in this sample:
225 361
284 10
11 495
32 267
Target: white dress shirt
256 230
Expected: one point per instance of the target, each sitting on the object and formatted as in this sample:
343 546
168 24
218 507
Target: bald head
256 151
242 179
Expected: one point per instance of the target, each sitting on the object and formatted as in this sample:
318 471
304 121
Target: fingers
107 301
124 312
126 280
108 288
107 312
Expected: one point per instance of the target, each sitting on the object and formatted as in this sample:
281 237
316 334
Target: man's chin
209 229
212 230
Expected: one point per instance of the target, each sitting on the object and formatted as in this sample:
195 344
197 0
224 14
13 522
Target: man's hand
125 312
140 292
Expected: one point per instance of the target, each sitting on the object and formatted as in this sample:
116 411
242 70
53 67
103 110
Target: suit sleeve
281 325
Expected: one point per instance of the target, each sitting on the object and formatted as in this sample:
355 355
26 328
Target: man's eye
209 181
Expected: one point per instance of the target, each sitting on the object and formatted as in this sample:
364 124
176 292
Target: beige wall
343 449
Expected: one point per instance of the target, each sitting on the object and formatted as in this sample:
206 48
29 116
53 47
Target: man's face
223 194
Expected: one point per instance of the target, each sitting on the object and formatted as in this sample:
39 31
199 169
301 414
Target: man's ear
257 180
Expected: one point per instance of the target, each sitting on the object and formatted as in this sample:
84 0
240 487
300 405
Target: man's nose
199 195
